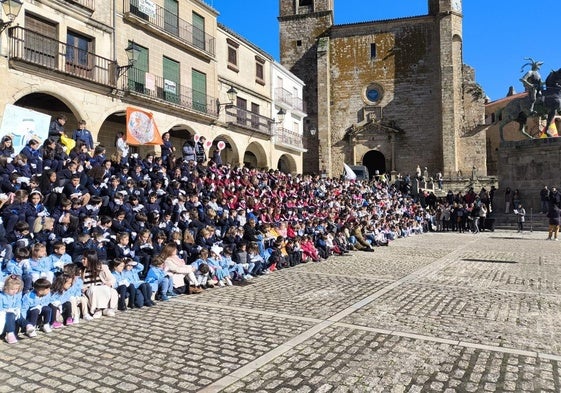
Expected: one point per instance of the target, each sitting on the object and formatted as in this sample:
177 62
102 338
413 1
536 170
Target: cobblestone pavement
433 313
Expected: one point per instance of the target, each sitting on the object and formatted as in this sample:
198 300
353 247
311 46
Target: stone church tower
389 94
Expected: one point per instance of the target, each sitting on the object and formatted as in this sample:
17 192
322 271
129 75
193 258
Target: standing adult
122 148
188 150
56 128
200 153
553 214
167 147
84 135
521 213
508 199
544 199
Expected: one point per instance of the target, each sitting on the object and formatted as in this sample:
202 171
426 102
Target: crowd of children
85 237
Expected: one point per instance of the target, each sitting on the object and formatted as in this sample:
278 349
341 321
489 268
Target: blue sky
498 34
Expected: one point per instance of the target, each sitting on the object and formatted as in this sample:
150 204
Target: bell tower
301 23
448 23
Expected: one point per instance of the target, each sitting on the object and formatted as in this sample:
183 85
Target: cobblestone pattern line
346 360
174 347
524 321
290 292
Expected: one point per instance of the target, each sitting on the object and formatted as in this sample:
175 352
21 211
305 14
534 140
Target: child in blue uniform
10 304
143 290
159 281
35 305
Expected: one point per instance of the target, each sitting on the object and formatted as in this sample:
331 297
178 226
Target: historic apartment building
389 94
70 57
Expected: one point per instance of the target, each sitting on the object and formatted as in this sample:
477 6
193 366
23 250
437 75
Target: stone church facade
389 94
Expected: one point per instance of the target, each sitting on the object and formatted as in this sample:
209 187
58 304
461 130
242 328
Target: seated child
10 304
35 305
75 293
59 258
257 260
61 308
202 269
182 275
41 266
143 290
159 280
19 266
219 266
124 287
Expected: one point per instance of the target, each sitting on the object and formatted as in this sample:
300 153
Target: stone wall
529 165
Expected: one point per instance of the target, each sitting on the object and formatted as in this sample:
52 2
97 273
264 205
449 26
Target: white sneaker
76 320
220 283
47 328
228 281
30 331
109 312
248 276
87 317
97 314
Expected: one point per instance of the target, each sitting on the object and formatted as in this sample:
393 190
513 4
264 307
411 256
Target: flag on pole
141 128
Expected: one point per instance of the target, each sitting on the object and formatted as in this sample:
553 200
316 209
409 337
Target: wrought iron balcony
249 120
168 91
288 137
29 47
160 20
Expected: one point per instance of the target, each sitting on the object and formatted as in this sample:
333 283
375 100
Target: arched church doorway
374 160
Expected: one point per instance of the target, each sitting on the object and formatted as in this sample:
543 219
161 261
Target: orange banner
141 128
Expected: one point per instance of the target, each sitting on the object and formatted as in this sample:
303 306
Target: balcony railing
169 91
165 21
286 97
89 4
34 48
282 95
249 120
299 104
288 137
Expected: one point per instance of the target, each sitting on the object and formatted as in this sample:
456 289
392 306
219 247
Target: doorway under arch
374 160
286 164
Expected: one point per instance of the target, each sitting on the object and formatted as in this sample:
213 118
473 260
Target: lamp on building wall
11 9
133 52
232 94
313 131
280 116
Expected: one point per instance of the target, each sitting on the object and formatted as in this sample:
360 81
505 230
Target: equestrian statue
537 102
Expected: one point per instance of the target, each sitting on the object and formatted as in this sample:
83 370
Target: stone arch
255 156
230 154
111 125
374 160
179 133
286 164
51 104
42 101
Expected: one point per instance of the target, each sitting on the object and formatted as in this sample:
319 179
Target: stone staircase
534 221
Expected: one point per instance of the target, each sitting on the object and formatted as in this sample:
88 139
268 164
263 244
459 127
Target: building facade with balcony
288 112
68 57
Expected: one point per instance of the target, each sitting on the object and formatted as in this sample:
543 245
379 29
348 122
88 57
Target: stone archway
230 154
374 160
286 164
50 105
106 137
255 156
